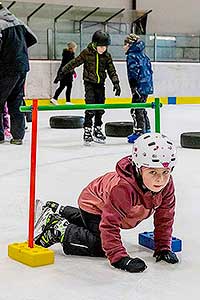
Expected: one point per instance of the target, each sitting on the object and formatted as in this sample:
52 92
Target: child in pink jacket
142 185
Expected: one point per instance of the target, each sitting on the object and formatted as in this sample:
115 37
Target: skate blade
87 143
99 141
38 208
137 130
39 224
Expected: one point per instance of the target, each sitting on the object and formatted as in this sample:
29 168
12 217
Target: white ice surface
64 167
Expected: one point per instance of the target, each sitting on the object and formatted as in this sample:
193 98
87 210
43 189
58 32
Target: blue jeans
12 91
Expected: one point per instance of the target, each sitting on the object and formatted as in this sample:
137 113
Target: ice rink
64 167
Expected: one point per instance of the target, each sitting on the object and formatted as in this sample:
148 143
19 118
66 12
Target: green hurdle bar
156 105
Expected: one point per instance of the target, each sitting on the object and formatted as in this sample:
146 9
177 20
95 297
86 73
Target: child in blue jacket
140 72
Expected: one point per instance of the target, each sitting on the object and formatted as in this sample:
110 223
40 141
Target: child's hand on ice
129 264
166 255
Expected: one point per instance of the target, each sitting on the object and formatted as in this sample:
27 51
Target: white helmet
154 150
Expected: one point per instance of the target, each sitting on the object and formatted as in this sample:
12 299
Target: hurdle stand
27 252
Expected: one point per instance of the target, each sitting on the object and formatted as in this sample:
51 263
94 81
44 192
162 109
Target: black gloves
166 255
136 265
117 89
132 265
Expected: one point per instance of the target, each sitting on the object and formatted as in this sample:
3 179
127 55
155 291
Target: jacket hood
126 170
90 46
137 47
6 15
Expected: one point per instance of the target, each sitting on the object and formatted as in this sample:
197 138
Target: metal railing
56 24
161 48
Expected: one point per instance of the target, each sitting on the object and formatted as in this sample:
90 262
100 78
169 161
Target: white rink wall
170 80
172 16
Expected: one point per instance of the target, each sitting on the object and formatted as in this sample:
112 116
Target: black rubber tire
63 122
190 140
118 129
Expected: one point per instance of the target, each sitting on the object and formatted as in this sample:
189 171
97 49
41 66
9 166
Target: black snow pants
94 94
82 236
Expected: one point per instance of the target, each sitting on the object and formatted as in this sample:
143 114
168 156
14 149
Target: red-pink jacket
122 203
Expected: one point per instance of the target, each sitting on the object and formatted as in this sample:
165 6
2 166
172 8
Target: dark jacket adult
139 68
94 65
67 56
123 203
15 38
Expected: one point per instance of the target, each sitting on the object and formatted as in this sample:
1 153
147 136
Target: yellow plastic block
33 257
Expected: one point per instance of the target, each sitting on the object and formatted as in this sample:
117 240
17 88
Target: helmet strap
139 179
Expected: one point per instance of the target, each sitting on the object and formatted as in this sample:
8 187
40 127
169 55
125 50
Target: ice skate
98 135
148 130
40 216
87 137
41 205
136 133
53 101
49 228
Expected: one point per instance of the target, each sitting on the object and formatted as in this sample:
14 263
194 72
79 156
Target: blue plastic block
146 239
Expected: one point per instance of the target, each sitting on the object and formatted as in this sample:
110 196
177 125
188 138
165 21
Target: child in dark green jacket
96 61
